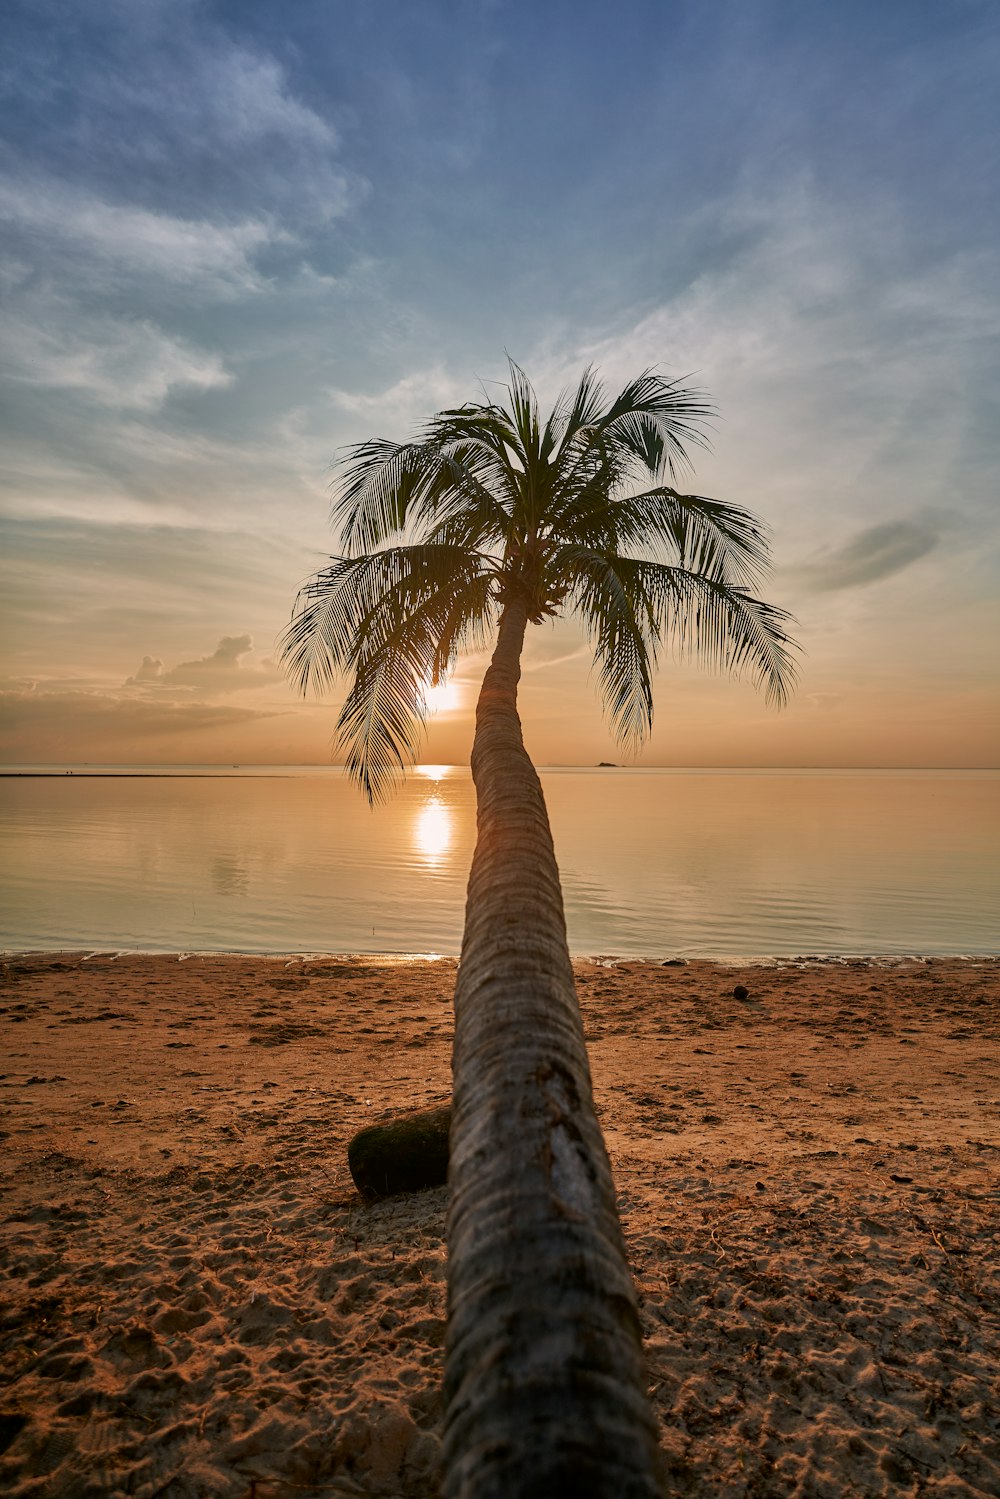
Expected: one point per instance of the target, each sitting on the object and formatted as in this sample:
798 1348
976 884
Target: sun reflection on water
434 772
433 830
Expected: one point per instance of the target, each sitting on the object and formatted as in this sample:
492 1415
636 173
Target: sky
237 237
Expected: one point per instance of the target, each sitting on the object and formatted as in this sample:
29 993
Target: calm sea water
654 863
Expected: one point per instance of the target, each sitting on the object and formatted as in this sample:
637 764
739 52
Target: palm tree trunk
544 1382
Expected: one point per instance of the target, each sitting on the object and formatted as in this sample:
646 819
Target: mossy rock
406 1154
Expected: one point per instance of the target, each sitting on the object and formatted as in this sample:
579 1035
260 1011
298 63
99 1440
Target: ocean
655 863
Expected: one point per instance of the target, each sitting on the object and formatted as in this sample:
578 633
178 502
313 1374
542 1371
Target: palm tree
485 523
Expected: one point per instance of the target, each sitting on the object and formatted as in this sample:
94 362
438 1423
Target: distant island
606 765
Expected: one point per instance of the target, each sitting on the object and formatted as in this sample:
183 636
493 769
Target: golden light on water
433 830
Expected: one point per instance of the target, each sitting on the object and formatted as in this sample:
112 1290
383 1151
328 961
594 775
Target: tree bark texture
545 1390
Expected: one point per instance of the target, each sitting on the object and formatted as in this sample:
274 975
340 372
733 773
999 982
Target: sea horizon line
263 769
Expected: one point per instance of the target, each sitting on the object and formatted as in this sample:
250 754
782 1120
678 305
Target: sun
443 698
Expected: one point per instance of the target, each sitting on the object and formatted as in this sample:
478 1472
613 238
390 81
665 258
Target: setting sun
444 698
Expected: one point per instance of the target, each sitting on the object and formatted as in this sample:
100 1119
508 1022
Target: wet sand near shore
196 1302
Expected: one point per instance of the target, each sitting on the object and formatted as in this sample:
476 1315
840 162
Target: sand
196 1302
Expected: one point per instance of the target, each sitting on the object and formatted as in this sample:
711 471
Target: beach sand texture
196 1302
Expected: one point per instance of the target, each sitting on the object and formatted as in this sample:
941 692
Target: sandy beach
197 1303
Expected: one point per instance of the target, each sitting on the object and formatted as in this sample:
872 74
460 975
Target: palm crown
486 504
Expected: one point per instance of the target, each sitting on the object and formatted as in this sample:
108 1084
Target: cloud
406 404
236 96
102 239
75 714
221 672
115 362
159 102
848 368
541 662
821 702
158 169
151 670
874 553
53 719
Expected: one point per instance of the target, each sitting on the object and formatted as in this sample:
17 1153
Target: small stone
740 992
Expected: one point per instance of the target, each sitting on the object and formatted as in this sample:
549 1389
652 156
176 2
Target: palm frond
581 413
397 619
346 607
474 481
379 481
652 422
382 720
319 638
489 432
621 627
524 411
705 536
721 624
631 606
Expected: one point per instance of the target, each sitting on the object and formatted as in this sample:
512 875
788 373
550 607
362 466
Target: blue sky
237 237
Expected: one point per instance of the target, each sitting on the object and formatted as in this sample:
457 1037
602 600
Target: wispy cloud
399 409
538 662
71 713
160 168
235 96
847 369
95 238
166 102
873 554
129 365
54 718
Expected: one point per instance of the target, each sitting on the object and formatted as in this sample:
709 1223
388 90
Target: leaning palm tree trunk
491 511
544 1385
